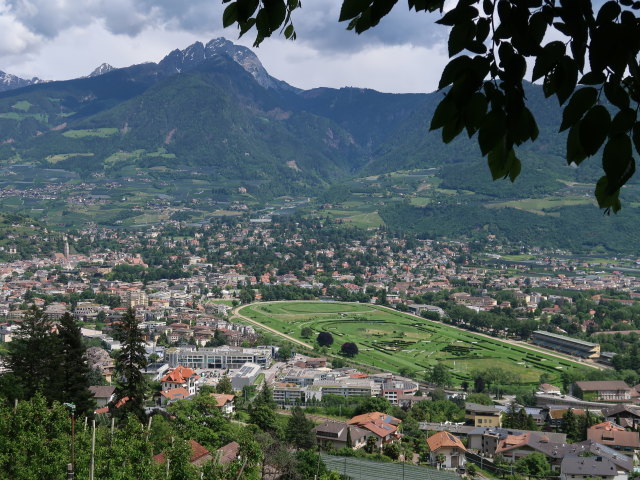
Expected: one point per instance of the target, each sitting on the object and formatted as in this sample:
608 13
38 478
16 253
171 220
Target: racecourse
403 343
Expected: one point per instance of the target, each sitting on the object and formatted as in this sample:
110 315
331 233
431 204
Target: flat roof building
221 357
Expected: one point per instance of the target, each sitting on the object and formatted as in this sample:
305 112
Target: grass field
93 132
539 205
391 340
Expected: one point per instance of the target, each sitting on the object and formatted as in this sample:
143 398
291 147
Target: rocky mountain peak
101 70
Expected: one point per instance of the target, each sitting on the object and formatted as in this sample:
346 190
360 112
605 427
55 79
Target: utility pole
72 407
93 449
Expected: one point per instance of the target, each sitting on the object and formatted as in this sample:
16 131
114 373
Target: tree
439 375
224 385
490 43
130 361
262 411
325 339
285 352
306 332
32 357
392 450
349 349
299 430
534 464
371 445
373 404
75 374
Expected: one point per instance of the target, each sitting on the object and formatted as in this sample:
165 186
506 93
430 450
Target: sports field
391 340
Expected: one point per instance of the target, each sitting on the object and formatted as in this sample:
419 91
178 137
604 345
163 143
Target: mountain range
212 116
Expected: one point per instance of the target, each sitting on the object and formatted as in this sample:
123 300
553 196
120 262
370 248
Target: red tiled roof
444 439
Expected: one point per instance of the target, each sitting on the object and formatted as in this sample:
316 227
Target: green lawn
391 340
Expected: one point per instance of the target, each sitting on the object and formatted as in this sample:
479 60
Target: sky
62 39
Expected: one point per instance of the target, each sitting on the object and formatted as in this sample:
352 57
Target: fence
359 469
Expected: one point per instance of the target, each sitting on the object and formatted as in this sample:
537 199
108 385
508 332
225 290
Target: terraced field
392 340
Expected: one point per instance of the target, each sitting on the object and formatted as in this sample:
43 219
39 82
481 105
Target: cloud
58 39
317 22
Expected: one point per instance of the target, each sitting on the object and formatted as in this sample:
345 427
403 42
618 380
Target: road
272 330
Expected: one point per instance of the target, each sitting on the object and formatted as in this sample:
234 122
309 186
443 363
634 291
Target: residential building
615 437
482 415
382 425
335 435
225 402
583 468
181 377
103 394
449 447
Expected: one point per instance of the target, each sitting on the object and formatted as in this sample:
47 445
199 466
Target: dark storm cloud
317 22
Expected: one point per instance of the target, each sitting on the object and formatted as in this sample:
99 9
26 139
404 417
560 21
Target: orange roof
175 393
444 439
373 417
222 398
179 374
197 453
609 426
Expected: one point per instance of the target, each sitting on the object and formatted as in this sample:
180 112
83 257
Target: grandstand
571 346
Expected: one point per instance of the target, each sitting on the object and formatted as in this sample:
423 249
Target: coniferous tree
31 357
299 431
130 360
74 373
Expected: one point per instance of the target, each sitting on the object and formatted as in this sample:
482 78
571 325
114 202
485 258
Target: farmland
395 341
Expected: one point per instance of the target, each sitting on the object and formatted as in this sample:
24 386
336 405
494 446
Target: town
186 286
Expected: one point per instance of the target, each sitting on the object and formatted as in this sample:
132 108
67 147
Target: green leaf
352 8
593 78
575 153
503 163
461 33
537 27
594 128
492 131
636 136
459 14
482 29
623 121
618 162
581 101
289 32
551 53
566 74
608 12
525 127
606 200
246 9
475 111
453 70
452 129
446 111
616 94
230 15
